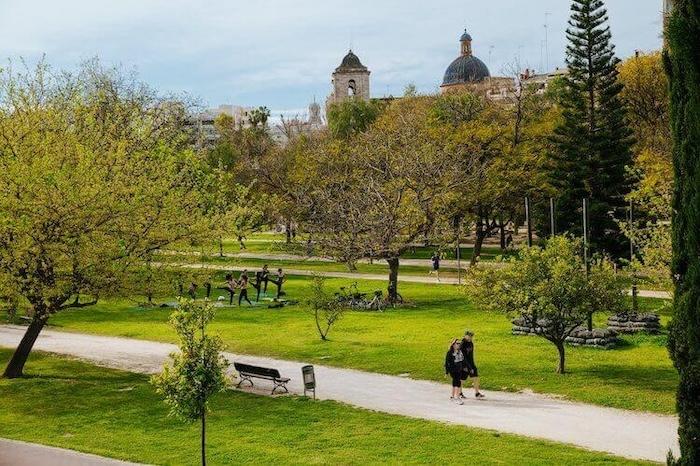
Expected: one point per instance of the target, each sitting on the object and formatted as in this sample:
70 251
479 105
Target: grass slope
74 405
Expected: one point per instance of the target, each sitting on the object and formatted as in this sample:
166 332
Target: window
352 88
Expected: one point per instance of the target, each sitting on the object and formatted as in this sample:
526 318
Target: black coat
452 366
468 351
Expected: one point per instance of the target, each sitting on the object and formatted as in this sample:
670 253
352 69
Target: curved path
14 453
635 435
428 279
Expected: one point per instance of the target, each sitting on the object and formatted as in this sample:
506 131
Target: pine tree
683 67
593 142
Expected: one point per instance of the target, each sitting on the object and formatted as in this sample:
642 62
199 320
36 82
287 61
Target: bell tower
350 80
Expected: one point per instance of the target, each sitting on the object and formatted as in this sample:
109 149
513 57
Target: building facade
350 80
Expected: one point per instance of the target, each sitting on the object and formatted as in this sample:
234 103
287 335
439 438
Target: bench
248 372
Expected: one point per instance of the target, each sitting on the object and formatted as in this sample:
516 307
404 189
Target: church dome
351 62
465 70
465 36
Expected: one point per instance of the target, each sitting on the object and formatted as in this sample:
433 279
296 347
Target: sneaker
457 400
479 395
461 395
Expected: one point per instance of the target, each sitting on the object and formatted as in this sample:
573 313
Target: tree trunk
589 324
393 279
478 244
204 438
288 232
221 247
561 368
502 228
15 367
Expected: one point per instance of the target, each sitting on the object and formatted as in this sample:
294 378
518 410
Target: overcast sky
280 53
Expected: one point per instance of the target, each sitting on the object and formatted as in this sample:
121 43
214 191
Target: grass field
638 375
75 405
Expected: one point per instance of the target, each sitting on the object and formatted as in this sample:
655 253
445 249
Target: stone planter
597 338
635 323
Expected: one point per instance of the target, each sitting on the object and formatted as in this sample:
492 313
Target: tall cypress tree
683 67
593 142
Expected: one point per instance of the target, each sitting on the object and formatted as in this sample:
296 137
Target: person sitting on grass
454 367
470 370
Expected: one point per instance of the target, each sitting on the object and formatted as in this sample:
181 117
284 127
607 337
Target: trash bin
309 378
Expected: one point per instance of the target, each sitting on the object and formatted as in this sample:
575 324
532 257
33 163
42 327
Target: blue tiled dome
464 70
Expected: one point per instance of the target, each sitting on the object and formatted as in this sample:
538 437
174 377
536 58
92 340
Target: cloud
281 53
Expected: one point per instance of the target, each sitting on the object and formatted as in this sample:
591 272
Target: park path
15 453
427 279
635 435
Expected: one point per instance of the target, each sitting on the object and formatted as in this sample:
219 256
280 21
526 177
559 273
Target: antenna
546 39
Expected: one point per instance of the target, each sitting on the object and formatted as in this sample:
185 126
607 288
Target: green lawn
638 375
75 405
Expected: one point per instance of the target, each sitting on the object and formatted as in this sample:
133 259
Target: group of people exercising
262 278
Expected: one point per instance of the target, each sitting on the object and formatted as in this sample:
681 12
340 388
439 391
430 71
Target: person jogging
454 367
470 371
243 285
435 259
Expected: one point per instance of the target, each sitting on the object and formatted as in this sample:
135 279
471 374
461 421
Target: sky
281 53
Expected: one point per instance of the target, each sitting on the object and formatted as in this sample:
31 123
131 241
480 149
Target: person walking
436 264
454 367
243 285
470 371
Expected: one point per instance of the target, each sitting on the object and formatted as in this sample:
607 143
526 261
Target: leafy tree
683 68
646 98
326 308
352 116
95 174
550 290
500 150
198 370
593 141
376 194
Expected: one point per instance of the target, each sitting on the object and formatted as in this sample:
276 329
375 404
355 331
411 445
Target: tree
646 98
198 371
500 149
593 141
376 194
352 116
683 68
550 290
327 309
95 175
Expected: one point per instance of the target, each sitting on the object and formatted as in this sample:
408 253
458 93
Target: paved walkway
635 435
14 453
428 279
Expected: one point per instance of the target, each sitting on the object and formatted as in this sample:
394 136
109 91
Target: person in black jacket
470 370
454 367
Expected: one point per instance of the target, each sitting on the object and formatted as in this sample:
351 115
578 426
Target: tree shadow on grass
655 379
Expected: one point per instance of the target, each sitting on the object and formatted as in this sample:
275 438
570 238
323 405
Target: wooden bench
248 372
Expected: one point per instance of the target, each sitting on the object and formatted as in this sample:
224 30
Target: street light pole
528 221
